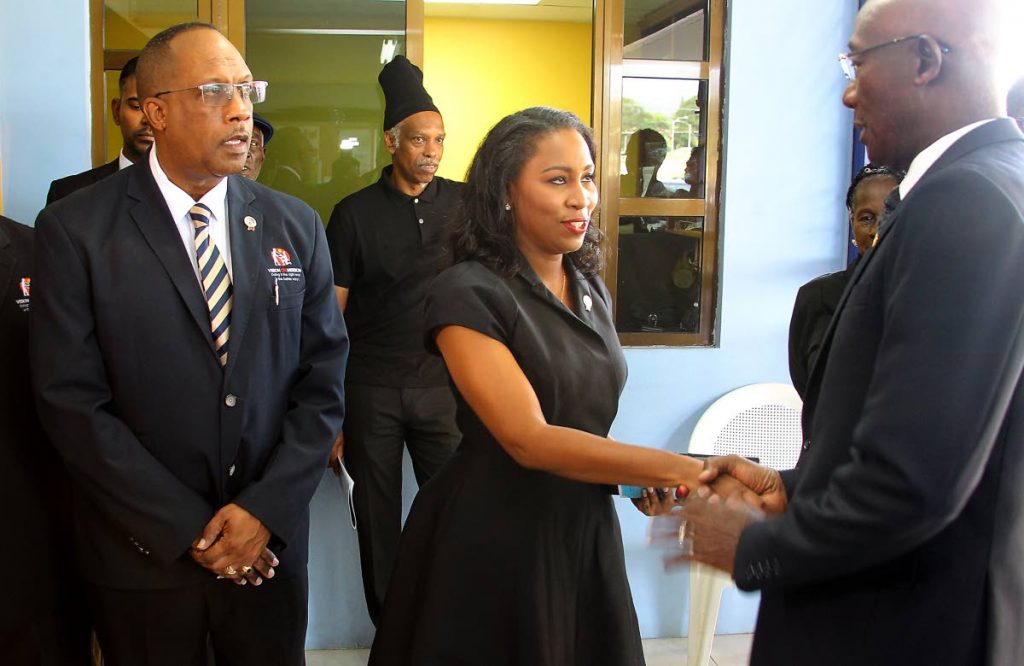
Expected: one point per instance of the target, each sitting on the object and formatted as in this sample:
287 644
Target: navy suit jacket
157 436
62 187
904 535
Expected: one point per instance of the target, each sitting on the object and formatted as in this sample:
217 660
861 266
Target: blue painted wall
787 164
44 99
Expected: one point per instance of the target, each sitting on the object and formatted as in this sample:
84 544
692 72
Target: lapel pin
587 302
250 223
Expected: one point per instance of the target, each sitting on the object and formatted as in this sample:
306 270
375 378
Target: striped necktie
216 281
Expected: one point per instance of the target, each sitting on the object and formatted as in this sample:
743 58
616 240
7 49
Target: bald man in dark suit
898 539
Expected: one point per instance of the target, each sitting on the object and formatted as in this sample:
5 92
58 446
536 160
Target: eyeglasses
219 94
850 67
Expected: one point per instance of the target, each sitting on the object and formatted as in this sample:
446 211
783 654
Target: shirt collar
398 196
930 155
180 202
122 161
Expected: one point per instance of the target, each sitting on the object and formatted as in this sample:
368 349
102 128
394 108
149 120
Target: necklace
563 294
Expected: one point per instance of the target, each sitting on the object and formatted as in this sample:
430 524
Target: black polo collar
400 198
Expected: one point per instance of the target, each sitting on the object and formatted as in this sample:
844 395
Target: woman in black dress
512 552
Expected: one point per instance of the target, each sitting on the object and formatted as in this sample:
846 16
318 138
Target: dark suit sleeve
75 405
316 403
945 368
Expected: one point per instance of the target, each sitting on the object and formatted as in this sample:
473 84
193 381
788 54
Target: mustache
422 163
241 132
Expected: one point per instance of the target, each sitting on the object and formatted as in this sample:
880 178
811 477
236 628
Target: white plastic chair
759 420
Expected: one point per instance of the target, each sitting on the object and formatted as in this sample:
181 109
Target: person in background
512 554
816 301
694 174
899 537
43 615
262 131
136 137
187 360
386 244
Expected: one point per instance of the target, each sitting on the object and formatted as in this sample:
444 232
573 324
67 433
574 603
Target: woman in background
512 553
817 300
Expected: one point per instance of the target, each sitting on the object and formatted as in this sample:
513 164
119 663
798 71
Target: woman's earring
508 206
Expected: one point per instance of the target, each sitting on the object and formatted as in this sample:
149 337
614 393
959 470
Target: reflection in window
666 30
662 128
322 61
659 285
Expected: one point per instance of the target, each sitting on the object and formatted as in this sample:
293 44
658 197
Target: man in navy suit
188 360
136 137
899 537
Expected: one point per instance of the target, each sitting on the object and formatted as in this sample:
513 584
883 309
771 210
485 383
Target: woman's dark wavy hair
483 230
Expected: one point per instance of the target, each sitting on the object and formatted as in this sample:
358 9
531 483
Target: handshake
730 493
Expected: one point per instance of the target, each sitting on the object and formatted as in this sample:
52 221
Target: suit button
230 400
231 470
421 220
807 444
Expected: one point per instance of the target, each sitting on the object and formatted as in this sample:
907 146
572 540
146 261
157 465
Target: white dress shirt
122 161
180 203
930 155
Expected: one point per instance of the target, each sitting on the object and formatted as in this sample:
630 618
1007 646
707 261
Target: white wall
44 99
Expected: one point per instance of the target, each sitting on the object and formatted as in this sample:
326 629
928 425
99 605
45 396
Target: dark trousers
240 625
379 422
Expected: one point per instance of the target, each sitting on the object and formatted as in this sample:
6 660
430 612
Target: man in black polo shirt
386 244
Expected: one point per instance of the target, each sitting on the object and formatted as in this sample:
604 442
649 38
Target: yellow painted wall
479 71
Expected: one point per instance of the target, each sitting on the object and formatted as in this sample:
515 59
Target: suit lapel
153 219
1002 129
246 259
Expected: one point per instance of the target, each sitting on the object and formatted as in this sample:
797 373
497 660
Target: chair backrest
759 420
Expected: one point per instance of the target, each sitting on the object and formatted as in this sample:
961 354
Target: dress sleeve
472 296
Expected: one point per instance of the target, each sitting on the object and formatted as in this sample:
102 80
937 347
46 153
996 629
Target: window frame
610 70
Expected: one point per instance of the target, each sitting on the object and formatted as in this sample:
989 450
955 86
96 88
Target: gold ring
230 571
247 570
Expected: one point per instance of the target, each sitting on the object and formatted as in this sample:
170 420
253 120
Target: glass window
665 30
658 289
663 127
322 59
661 116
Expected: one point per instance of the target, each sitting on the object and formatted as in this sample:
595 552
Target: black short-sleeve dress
499 564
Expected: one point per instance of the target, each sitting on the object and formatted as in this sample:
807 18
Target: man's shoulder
449 189
367 195
349 209
14 233
62 187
